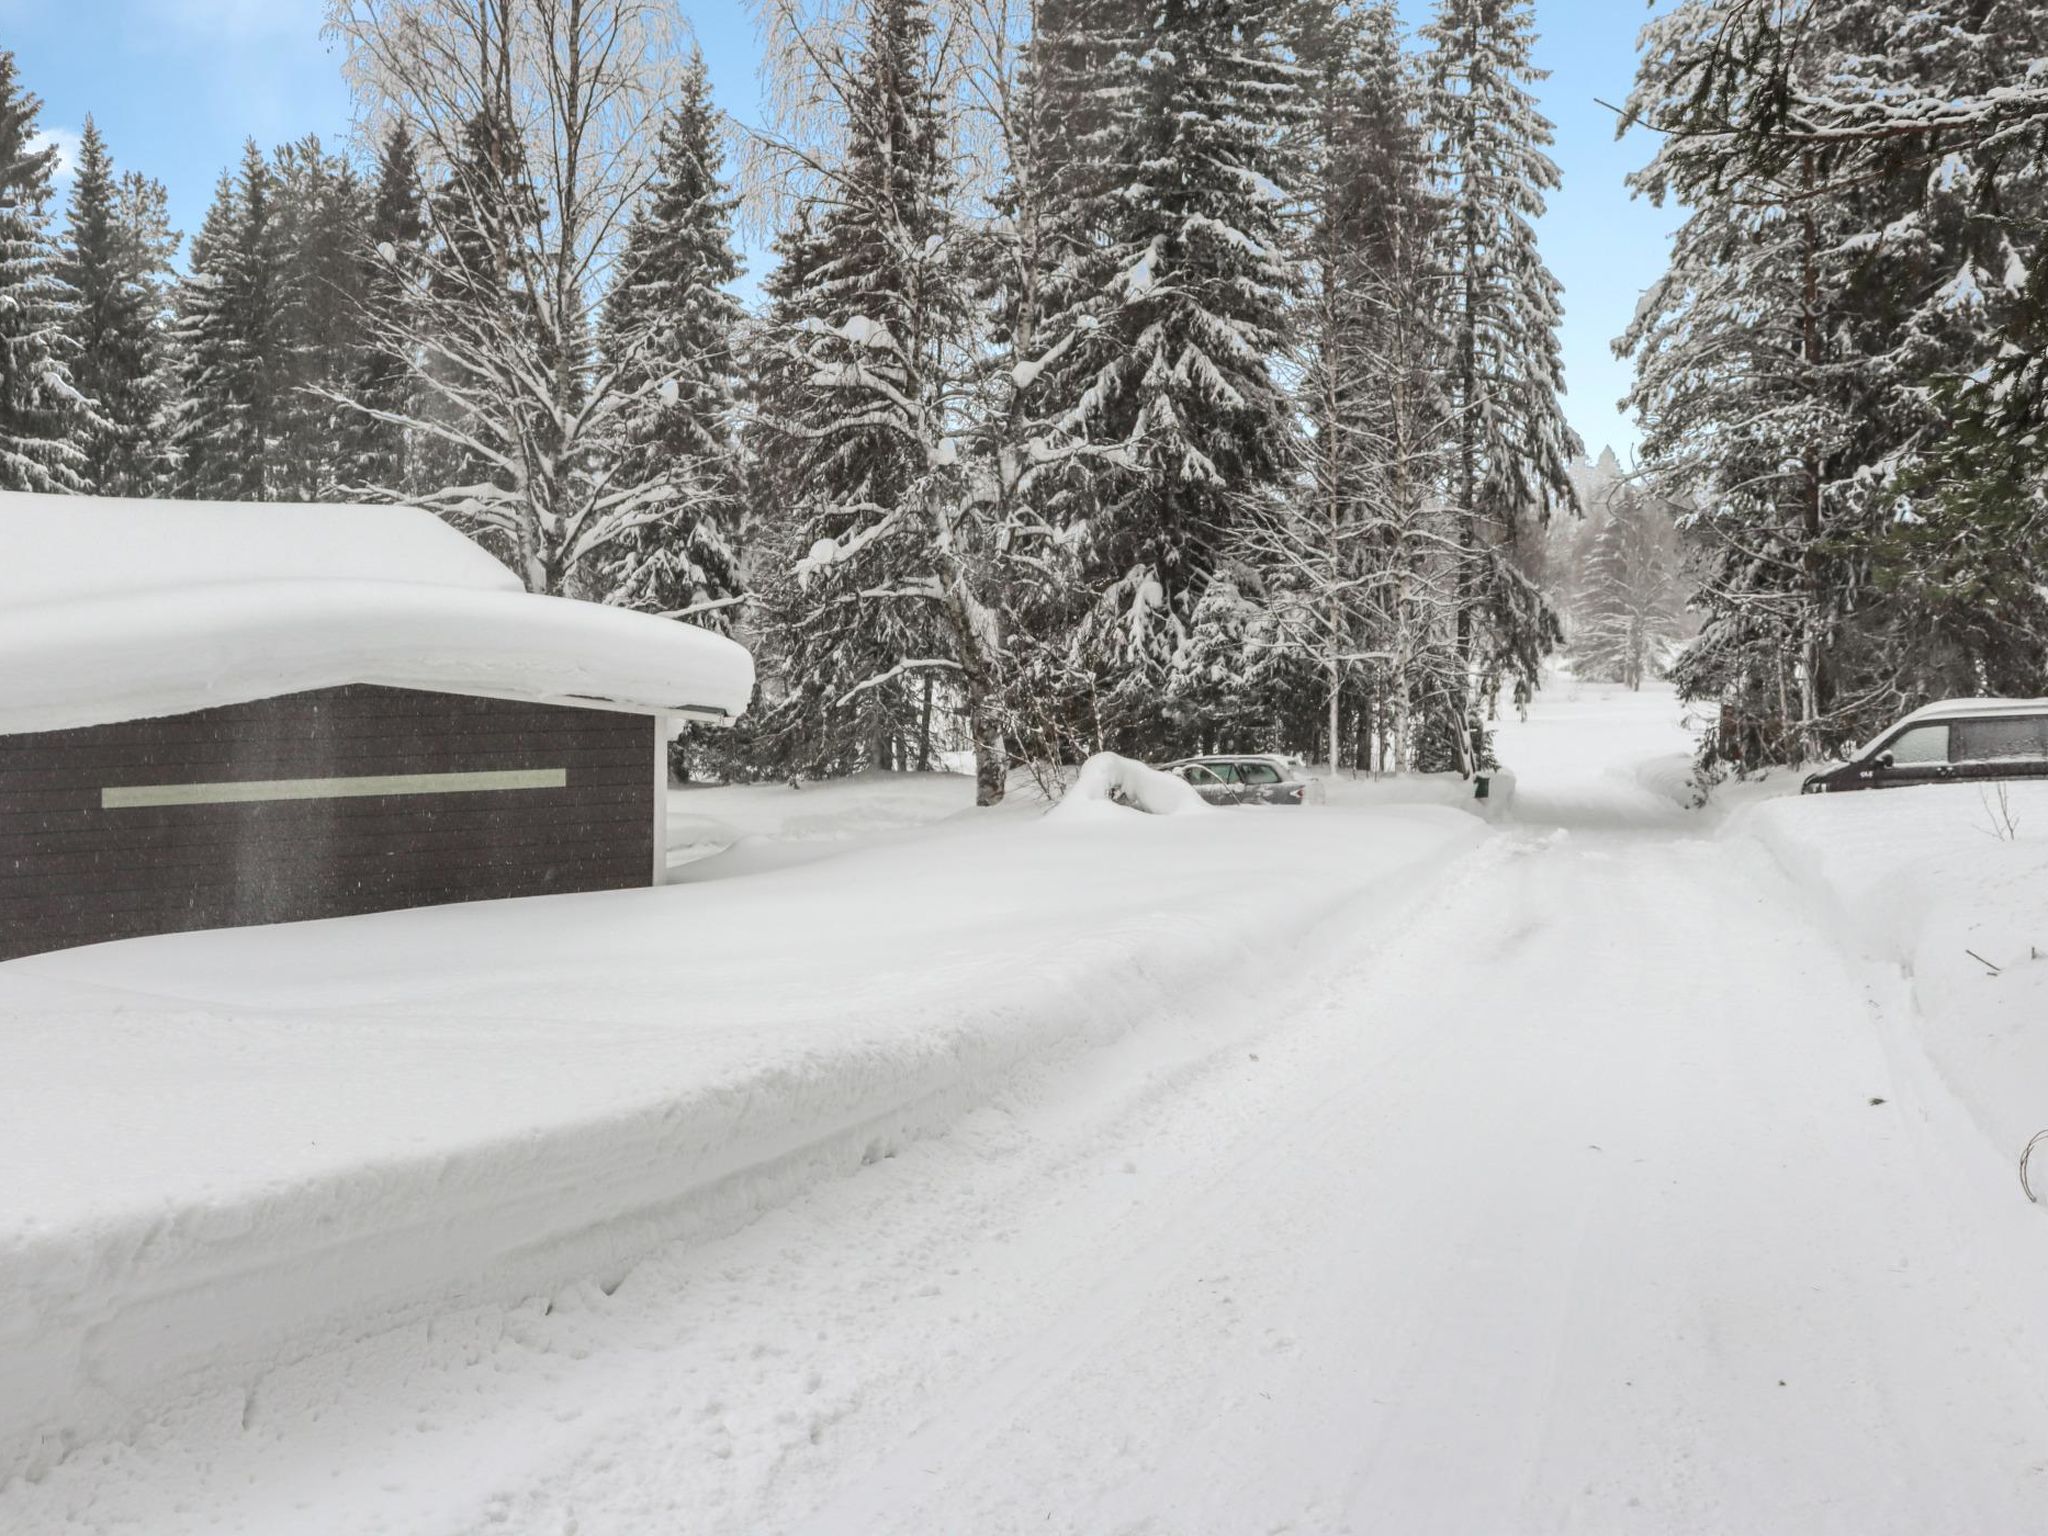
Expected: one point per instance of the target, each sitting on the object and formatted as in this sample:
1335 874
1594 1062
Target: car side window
1227 772
1988 741
1258 773
1919 747
1198 776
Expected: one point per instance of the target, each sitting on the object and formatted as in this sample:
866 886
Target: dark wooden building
367 713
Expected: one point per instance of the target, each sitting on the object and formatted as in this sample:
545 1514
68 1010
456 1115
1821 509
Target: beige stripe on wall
246 791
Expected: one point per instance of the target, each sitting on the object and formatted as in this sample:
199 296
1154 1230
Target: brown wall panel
72 872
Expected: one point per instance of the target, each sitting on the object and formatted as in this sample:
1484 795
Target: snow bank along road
1551 1198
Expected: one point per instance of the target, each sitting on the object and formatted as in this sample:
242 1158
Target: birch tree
536 123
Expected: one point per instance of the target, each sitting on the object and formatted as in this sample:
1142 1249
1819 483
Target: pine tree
1341 558
671 326
377 452
320 210
1513 448
1628 602
1868 206
229 339
115 257
862 593
43 418
1169 359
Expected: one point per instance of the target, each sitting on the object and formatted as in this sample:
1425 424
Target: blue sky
176 85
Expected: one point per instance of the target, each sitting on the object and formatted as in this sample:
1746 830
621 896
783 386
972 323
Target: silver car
1249 779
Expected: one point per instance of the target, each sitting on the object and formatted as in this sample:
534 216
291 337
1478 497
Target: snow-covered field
1584 1168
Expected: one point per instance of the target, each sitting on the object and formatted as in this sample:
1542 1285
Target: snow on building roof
117 610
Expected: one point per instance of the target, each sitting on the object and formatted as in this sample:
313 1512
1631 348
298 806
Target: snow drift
1950 884
1107 780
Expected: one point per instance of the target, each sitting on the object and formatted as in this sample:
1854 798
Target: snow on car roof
1956 709
118 610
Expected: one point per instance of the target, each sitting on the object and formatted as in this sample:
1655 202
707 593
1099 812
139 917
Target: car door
1227 775
1917 755
1262 782
2001 747
1207 784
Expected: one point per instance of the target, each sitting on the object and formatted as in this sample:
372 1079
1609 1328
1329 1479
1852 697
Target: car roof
1232 757
1959 709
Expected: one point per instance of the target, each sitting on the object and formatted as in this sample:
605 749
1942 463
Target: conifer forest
1153 377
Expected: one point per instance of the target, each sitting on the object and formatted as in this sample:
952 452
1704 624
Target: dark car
1249 779
1957 741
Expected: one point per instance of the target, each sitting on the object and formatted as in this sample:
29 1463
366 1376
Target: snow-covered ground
1375 1168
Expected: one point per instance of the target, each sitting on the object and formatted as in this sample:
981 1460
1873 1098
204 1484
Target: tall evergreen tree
671 326
863 304
114 256
1343 558
1513 448
1181 305
1868 207
1628 603
43 417
377 451
322 333
230 342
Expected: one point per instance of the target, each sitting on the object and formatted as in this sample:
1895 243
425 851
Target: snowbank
116 611
231 1148
779 824
1922 878
1107 780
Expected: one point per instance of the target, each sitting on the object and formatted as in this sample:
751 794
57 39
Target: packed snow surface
115 610
1367 1168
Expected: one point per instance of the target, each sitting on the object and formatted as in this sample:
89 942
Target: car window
1258 773
1197 775
1987 741
1227 772
1921 745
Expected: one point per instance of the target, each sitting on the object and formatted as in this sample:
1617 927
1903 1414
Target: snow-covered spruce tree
875 584
671 327
228 342
1628 602
1512 451
375 447
1881 241
537 122
1170 305
115 255
1340 557
323 337
1031 86
43 419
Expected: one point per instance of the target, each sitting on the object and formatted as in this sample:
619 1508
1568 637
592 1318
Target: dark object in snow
319 804
1875 1102
1249 779
219 715
2026 1157
1955 741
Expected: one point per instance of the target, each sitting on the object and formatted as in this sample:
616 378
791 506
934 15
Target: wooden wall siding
72 872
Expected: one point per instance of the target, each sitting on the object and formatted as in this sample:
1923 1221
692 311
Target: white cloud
66 140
